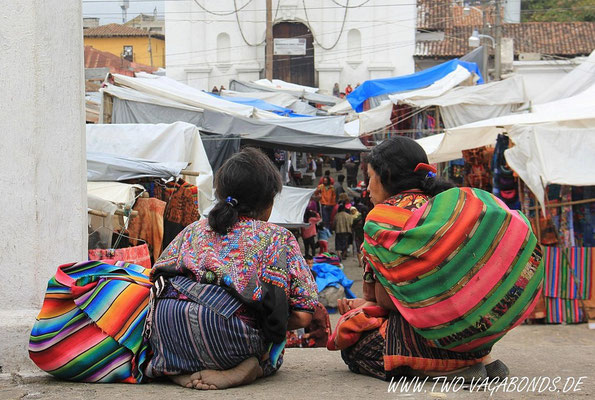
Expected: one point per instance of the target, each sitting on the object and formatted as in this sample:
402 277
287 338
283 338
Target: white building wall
42 158
387 29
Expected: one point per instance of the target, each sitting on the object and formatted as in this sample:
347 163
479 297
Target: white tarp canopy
108 167
177 142
431 143
280 99
123 194
279 84
580 109
466 104
179 92
552 153
341 108
303 92
507 91
376 118
129 94
571 84
290 206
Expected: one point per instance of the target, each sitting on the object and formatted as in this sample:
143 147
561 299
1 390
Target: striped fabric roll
560 279
462 270
91 323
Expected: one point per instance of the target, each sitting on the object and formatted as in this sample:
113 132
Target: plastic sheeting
279 84
375 118
118 193
552 153
290 205
507 91
108 167
172 90
243 86
466 104
433 91
178 142
273 136
261 104
431 143
277 98
385 86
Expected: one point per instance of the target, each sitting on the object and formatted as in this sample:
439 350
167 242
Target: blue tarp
418 80
262 105
331 275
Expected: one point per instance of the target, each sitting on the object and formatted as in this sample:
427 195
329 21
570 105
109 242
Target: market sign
290 47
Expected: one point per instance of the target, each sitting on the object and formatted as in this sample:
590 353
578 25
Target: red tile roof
550 38
101 59
117 30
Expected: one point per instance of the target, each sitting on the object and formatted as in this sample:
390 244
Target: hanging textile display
504 184
566 285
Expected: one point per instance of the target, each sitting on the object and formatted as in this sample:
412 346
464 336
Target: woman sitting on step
228 288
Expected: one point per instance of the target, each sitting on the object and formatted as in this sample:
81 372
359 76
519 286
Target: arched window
354 43
223 48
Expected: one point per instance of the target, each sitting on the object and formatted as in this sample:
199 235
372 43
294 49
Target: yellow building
132 44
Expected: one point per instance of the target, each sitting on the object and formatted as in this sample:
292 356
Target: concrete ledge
15 328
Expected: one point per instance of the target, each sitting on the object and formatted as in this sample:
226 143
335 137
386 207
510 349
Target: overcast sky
109 10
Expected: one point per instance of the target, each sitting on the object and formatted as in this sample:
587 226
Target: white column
42 160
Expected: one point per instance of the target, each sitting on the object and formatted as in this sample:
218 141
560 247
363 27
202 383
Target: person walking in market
328 199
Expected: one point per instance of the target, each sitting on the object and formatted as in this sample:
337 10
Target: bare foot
246 372
190 381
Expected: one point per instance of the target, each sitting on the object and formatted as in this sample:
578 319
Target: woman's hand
298 319
346 305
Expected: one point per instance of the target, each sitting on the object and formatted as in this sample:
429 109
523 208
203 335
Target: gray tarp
219 148
243 86
126 109
109 167
133 112
253 131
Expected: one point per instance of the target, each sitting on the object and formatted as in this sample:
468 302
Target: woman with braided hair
447 272
228 288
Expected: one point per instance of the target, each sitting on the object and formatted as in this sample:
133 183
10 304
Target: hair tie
231 201
426 167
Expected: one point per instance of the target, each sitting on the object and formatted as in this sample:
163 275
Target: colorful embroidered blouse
242 260
409 200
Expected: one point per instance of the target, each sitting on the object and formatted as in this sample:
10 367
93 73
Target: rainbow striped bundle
462 270
90 327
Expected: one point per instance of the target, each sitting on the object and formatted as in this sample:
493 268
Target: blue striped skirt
203 332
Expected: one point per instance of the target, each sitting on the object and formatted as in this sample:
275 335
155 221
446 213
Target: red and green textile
462 269
90 327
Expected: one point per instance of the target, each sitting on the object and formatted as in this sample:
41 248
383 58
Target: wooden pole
567 203
269 41
498 47
103 214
